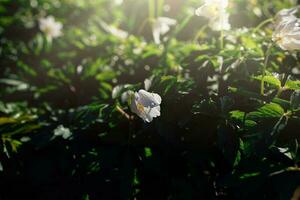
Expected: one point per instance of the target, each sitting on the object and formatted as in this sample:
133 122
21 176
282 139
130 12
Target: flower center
140 107
213 9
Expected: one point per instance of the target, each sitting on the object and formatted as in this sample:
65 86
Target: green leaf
272 80
239 116
7 120
292 85
168 82
148 152
229 143
271 110
106 75
295 100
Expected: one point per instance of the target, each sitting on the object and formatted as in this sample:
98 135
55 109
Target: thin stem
282 87
246 93
151 7
263 23
267 55
200 32
177 31
160 7
142 26
120 110
222 40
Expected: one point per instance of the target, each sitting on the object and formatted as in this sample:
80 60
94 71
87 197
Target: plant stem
249 94
281 89
263 23
160 7
143 26
120 110
267 55
151 7
222 40
200 32
176 31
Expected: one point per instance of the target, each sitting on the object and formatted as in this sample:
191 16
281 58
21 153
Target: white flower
146 105
114 31
125 97
148 82
118 2
161 26
50 27
287 34
211 8
118 90
220 23
285 14
215 12
62 131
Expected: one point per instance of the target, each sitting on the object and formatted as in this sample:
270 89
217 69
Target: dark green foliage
63 136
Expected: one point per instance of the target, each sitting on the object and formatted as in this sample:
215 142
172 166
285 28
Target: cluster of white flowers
215 11
287 30
62 131
161 26
50 27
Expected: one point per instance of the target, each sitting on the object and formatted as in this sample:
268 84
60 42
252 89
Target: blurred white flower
146 105
50 27
161 26
148 83
287 34
118 90
215 12
114 30
118 2
125 97
285 14
212 8
220 23
62 131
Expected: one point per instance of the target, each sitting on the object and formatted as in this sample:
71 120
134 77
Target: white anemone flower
220 23
148 82
287 34
146 105
161 26
114 30
50 27
212 8
285 14
215 12
118 2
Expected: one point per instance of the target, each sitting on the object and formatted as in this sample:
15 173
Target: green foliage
66 128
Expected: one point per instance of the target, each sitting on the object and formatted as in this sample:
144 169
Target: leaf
295 100
228 142
168 82
239 116
269 79
292 85
148 152
7 120
271 110
106 76
248 42
249 175
1 167
15 83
